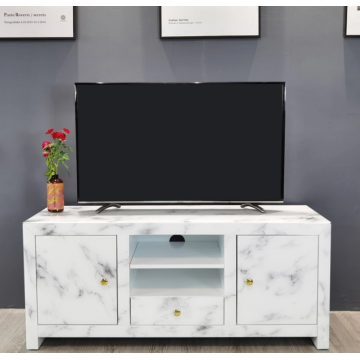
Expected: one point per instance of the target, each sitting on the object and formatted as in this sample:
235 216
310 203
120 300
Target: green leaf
57 156
67 168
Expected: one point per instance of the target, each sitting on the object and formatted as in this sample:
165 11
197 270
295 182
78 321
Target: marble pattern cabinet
69 273
238 274
283 271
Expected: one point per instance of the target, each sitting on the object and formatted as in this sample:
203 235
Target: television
180 143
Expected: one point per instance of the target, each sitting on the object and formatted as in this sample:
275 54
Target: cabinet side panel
322 339
31 313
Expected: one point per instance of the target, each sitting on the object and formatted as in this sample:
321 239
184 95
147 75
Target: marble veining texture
224 220
228 222
293 214
284 271
229 249
321 341
178 331
159 310
69 274
33 341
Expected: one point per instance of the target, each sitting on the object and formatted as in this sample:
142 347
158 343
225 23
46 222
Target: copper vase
55 194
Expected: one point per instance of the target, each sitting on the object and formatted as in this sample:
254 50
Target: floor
344 337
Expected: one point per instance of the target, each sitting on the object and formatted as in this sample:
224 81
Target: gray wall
300 45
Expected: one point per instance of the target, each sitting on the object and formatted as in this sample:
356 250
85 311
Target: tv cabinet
239 273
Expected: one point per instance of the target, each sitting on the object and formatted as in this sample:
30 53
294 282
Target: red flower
58 135
45 144
66 130
62 136
49 131
45 154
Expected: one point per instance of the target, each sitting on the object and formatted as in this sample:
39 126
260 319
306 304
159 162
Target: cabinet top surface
296 214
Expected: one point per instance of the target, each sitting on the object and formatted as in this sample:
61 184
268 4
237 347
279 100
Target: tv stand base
254 206
118 276
106 206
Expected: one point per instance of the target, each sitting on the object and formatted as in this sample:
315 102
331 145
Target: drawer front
69 274
284 274
154 310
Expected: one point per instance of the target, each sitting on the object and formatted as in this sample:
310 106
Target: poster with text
37 22
209 21
352 21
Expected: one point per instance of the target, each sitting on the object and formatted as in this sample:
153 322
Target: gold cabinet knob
249 282
103 282
177 312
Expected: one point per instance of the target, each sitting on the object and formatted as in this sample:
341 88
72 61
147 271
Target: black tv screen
180 142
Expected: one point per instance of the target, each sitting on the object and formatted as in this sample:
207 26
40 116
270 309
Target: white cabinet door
284 274
70 270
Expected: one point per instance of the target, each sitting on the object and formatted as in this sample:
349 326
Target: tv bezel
181 202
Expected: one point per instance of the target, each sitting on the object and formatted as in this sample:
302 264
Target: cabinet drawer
69 274
154 310
284 274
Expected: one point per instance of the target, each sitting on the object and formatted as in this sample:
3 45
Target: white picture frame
37 22
179 22
352 21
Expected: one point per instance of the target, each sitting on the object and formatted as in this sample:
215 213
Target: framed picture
209 22
352 21
37 22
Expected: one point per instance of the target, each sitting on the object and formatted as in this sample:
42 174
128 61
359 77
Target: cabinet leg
33 343
321 343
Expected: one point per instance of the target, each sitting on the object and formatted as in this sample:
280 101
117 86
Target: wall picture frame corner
206 22
351 28
38 23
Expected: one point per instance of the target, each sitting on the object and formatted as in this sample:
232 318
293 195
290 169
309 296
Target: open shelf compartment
177 282
174 255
